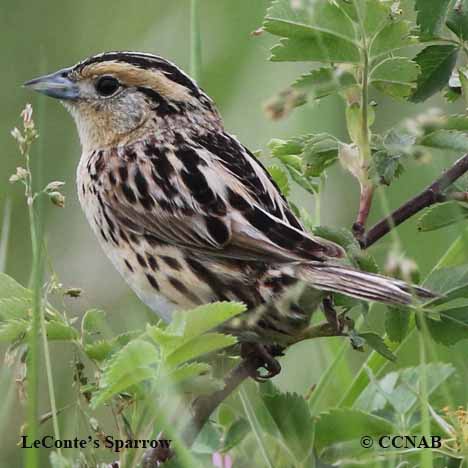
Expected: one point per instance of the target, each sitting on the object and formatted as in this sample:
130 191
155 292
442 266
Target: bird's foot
263 357
337 321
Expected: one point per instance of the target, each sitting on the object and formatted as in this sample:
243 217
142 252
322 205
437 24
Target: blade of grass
5 235
195 40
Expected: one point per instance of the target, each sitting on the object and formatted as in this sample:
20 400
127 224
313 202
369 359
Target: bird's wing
209 194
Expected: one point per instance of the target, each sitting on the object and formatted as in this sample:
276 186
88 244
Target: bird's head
117 97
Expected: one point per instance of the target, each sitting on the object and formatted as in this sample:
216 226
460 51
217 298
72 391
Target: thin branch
431 195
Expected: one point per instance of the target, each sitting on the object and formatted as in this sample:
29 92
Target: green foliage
397 323
437 63
457 18
431 17
442 215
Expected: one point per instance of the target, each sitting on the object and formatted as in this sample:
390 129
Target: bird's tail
359 284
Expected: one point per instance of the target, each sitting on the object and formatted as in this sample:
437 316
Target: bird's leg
336 321
263 357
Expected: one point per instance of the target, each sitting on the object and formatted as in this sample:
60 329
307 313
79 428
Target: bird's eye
107 85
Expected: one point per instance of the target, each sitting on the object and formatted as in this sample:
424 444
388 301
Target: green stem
195 41
32 455
426 455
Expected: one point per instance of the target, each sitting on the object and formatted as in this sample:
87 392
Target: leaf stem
32 456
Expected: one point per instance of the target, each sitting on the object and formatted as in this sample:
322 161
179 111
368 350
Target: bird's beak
56 85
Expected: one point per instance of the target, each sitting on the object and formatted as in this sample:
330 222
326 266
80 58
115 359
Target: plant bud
57 199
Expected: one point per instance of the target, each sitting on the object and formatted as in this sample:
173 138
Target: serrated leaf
442 215
14 308
323 34
103 349
320 151
397 324
280 177
323 82
393 36
431 17
436 63
198 346
12 330
341 425
59 331
378 344
385 167
457 18
207 317
134 377
453 140
127 367
395 76
291 414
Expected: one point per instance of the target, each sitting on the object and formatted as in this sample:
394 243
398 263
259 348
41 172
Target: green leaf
280 177
316 151
284 19
235 434
342 425
400 389
321 48
103 349
395 76
323 82
12 330
320 151
453 140
10 288
302 180
451 283
393 36
385 167
436 63
431 17
452 326
188 371
457 18
59 331
198 346
442 215
397 324
207 317
94 325
323 34
291 414
14 308
125 368
377 343
126 381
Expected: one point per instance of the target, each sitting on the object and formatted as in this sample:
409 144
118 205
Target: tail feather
361 285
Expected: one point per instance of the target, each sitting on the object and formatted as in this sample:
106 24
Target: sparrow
185 212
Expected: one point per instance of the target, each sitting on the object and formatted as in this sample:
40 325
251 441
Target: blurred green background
39 37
